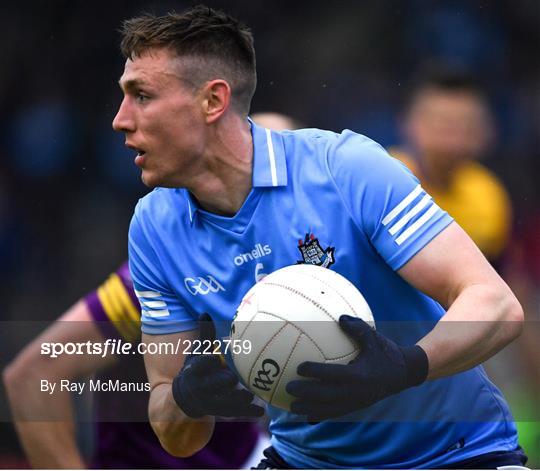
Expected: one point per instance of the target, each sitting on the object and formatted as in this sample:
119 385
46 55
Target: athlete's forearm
45 421
50 445
481 321
47 443
179 434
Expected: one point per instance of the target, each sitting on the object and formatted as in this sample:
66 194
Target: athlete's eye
141 97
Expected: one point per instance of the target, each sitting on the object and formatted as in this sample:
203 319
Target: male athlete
414 397
111 311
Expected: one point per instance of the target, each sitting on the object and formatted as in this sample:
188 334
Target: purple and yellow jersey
121 444
114 306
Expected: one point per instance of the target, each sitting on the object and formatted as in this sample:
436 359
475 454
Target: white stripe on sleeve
154 304
401 206
417 224
160 313
147 294
413 212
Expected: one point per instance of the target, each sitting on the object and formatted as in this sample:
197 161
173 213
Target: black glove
381 369
205 386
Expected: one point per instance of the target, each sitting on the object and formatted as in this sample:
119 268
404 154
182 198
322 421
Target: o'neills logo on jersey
258 252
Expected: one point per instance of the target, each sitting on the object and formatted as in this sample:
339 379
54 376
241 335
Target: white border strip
147 294
271 156
154 304
401 206
413 212
161 313
417 224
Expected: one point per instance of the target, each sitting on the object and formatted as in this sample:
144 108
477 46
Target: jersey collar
269 163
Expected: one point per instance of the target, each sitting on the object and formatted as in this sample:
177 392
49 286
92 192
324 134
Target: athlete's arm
51 443
484 316
183 405
179 434
418 240
433 254
484 312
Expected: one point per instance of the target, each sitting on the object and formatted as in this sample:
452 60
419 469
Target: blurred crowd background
68 185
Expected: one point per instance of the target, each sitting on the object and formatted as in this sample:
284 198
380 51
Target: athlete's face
161 117
448 127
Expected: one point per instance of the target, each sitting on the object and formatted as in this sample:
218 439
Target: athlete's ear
216 99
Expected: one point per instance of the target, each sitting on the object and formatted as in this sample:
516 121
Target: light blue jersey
340 201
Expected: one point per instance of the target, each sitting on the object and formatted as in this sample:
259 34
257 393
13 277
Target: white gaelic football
289 317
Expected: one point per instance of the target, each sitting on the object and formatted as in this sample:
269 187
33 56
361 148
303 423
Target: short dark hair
220 45
444 79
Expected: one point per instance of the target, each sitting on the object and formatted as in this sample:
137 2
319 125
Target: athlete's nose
123 121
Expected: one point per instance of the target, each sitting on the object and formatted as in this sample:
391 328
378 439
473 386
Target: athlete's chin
150 179
153 180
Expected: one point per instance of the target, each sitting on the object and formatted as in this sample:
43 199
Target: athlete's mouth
139 151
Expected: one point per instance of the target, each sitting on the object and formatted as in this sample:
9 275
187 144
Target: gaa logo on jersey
202 285
313 253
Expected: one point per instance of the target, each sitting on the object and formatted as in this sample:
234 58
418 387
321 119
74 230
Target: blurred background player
448 128
109 312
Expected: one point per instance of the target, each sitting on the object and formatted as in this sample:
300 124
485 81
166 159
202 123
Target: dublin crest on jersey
313 253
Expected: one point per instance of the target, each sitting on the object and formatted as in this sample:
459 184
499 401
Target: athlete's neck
227 181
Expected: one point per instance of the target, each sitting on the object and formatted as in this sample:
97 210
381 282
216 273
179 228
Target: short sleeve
161 310
384 198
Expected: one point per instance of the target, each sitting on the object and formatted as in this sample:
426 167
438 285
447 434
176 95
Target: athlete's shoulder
357 158
302 144
316 139
358 148
158 203
339 148
160 209
308 134
153 214
335 150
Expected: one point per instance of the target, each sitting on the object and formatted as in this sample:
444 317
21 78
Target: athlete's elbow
7 376
514 318
179 451
15 377
503 316
181 445
22 376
